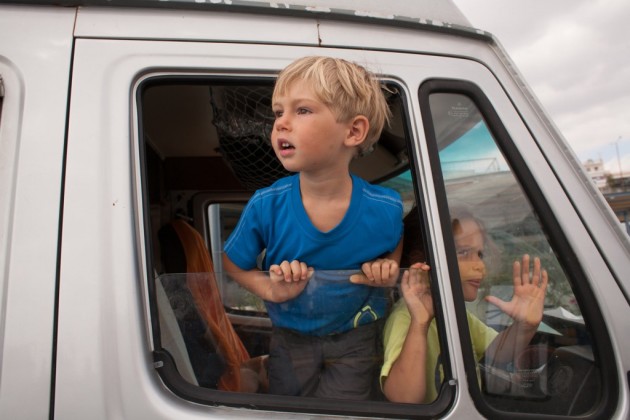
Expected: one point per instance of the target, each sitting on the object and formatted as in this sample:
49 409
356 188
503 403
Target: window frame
164 363
1 96
579 282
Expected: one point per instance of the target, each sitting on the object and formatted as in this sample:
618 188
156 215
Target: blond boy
332 241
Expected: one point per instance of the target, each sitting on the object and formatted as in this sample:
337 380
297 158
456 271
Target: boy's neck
327 200
329 187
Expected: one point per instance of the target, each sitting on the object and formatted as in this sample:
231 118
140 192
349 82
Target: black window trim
1 95
601 339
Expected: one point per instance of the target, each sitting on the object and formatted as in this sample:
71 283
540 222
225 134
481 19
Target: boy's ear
357 131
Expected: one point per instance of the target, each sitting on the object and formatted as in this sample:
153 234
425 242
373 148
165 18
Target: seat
240 372
171 336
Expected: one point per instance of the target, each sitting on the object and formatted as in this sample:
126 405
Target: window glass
554 370
223 218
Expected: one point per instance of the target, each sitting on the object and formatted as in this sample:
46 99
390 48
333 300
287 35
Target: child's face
469 243
306 136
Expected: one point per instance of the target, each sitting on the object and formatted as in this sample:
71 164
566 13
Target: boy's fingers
392 272
303 271
367 271
382 270
275 270
359 278
291 271
377 273
296 270
285 266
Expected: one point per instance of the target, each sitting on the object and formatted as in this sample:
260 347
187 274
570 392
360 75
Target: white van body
77 328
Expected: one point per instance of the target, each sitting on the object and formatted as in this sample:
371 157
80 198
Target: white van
130 130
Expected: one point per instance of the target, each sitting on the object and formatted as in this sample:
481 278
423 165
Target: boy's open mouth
285 145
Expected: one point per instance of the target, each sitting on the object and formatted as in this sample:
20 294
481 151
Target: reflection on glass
555 372
225 346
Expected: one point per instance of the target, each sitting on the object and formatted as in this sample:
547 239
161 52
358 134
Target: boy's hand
287 280
382 272
527 304
416 291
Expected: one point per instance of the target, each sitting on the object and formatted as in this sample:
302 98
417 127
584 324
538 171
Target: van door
485 182
35 55
123 184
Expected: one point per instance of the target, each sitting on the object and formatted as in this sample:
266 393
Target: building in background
595 168
614 186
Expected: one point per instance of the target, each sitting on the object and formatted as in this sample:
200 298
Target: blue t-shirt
275 220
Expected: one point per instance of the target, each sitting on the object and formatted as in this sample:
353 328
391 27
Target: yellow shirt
394 335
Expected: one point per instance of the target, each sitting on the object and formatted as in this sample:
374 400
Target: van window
560 371
204 151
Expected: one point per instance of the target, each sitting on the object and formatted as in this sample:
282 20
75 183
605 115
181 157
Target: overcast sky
575 55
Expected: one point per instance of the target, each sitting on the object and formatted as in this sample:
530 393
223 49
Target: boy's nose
281 123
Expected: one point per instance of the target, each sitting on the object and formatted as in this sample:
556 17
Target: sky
575 56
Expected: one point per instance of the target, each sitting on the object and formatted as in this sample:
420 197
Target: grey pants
332 366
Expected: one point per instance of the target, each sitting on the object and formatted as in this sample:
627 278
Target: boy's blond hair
347 88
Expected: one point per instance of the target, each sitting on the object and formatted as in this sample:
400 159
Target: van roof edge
436 13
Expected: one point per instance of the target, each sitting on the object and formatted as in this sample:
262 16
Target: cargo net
244 119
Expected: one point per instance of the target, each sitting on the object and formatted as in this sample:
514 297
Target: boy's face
306 136
469 243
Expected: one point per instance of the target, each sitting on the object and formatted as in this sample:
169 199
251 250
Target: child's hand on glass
527 304
416 291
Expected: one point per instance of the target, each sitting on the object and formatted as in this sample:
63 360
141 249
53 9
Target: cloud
575 55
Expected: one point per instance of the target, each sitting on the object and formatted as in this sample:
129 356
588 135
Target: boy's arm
279 286
396 254
253 280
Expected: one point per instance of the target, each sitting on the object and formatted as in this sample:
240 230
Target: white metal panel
35 46
444 11
211 24
104 361
193 25
104 364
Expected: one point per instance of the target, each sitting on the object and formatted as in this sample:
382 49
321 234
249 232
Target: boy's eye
302 111
480 254
277 114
